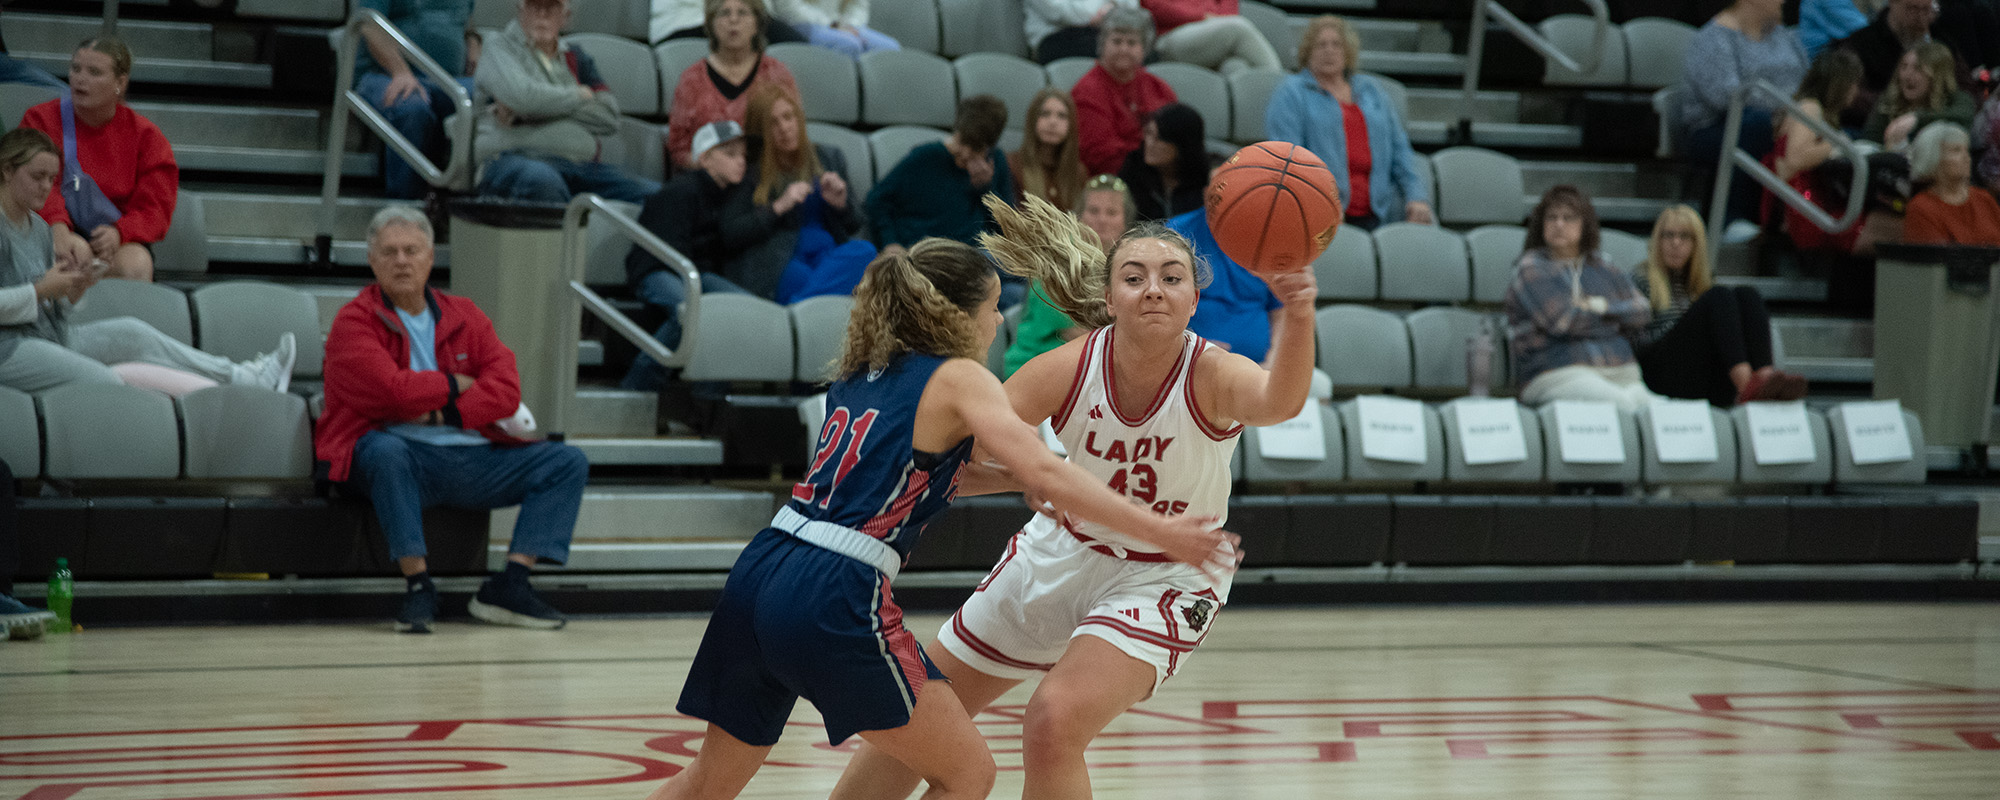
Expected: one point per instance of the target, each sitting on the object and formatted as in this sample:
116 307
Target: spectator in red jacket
123 152
1116 96
1212 34
423 408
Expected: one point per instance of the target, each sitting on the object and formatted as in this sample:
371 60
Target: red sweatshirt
1111 117
130 160
1171 14
369 384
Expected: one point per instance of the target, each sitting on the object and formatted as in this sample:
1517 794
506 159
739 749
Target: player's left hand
1299 288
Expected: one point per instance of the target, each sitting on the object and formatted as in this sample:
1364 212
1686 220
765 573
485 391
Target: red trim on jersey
915 483
1075 383
1167 612
1159 397
1125 627
898 642
1212 430
1013 545
988 651
1130 555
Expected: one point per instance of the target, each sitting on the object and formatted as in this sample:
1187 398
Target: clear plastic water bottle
1479 361
62 592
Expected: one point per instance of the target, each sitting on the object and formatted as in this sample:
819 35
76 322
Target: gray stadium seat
162 307
185 247
982 26
1622 250
605 246
1010 141
1398 93
1362 468
912 23
237 431
639 146
1655 46
1422 263
1477 186
1258 469
1721 470
1572 33
1527 470
623 18
888 145
1200 88
829 86
1845 471
1560 471
628 68
907 87
1438 342
1817 471
17 98
1065 72
239 320
1346 270
109 431
1013 79
741 338
1363 347
860 162
819 328
1495 251
673 57
20 434
1277 29
1249 94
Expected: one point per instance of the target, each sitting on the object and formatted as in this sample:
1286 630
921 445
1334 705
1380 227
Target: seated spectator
1067 28
687 19
122 153
1570 312
1704 342
1798 155
420 394
1326 105
1742 44
414 104
936 190
1116 96
1210 33
18 620
1237 309
1966 26
687 214
1823 22
719 86
42 277
1168 174
538 141
1924 91
1107 211
1950 210
792 251
838 24
1048 164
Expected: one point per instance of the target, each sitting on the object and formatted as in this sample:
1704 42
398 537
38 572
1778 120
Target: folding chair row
92 431
1407 262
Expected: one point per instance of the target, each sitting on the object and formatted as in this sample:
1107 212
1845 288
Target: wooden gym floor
1765 701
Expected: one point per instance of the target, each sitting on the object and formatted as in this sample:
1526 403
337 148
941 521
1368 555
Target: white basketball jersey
1164 455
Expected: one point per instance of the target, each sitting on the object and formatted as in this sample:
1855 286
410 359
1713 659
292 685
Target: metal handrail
1475 49
575 250
1736 158
346 100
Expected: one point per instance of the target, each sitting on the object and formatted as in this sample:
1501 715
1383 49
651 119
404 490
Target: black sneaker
504 602
420 609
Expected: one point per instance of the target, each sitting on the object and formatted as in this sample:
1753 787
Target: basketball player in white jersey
1154 411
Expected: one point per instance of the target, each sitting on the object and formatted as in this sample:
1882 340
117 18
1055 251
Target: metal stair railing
1734 158
575 250
1475 49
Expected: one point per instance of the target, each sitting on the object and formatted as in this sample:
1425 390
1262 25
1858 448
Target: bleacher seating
240 320
1361 468
829 85
912 23
854 146
886 147
1422 263
1495 249
628 67
1013 79
742 338
1201 89
165 308
1438 347
1346 269
907 87
1065 72
673 57
109 431
1654 46
981 26
236 431
20 433
1572 33
1363 348
1261 469
1477 186
1249 94
1622 250
1625 471
1458 467
819 328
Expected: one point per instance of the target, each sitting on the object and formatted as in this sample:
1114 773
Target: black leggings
1726 326
10 534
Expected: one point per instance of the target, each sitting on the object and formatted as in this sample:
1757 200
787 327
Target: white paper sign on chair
1588 432
1875 432
1489 431
1683 432
1049 438
1778 433
1301 438
1392 429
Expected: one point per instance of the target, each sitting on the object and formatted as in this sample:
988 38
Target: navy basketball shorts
800 621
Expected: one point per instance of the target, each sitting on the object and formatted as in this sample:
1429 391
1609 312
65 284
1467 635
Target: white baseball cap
712 134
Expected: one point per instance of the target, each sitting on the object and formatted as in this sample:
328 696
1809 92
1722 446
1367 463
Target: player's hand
1190 540
1295 289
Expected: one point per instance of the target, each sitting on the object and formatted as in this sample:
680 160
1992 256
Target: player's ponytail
1051 248
922 300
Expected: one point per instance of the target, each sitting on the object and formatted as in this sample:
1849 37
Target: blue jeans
1704 147
548 179
870 41
418 120
403 477
663 289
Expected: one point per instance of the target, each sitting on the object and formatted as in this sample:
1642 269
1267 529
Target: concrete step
649 451
1430 65
270 161
631 528
1601 179
59 33
1446 105
1826 350
1508 135
287 216
236 126
170 71
601 411
280 250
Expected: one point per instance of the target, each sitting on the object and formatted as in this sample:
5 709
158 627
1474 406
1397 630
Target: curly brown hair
923 300
1057 252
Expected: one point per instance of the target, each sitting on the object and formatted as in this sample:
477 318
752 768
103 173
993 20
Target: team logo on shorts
1196 614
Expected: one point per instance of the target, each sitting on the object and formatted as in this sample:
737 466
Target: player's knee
972 776
1054 726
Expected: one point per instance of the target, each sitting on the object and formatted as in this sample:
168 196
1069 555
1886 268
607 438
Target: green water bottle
62 591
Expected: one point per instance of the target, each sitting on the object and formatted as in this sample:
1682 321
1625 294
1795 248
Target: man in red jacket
417 385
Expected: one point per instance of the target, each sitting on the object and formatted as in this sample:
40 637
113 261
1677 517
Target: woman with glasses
719 86
1705 342
1569 311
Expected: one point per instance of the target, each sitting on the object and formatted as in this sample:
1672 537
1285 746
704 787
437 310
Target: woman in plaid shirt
1570 312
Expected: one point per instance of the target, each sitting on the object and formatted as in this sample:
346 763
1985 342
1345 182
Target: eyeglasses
1110 183
1683 235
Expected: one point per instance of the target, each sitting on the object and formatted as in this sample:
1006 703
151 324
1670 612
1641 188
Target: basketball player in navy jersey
807 610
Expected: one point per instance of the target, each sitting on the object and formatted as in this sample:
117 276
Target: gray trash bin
1937 337
507 257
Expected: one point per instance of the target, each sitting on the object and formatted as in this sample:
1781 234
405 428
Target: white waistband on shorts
840 539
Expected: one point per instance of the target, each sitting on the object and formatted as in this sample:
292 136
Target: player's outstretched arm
1235 388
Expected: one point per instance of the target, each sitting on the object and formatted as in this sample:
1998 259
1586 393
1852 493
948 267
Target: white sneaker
273 370
1740 231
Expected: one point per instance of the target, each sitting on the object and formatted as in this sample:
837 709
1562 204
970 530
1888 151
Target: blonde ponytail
922 300
1051 248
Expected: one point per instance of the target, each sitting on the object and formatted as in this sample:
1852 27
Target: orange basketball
1273 207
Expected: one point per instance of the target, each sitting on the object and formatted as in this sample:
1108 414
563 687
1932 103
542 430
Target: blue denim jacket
1306 115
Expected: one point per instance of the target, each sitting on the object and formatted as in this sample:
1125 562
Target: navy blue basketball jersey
865 473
